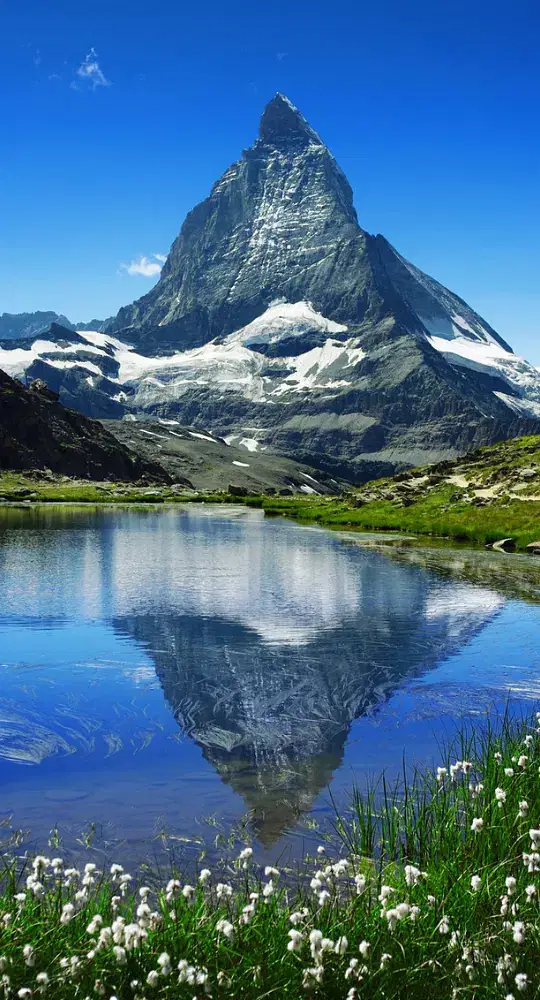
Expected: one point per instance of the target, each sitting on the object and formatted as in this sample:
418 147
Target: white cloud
147 267
90 73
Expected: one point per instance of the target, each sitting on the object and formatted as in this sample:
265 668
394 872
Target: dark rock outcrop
37 432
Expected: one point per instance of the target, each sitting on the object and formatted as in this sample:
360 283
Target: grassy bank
432 890
491 494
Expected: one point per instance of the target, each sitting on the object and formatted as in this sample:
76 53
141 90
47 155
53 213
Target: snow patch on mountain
493 359
284 319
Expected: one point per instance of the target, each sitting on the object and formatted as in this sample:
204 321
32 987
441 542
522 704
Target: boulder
237 491
505 545
533 548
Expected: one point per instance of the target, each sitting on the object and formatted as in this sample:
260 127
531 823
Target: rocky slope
277 318
37 432
195 457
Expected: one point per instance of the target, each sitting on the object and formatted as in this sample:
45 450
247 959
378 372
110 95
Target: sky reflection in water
159 666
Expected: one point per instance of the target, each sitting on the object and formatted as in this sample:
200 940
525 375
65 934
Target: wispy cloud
89 74
281 55
146 267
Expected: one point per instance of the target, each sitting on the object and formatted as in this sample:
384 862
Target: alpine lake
173 673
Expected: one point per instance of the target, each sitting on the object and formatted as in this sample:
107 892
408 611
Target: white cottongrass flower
321 849
518 932
510 884
95 924
312 975
273 872
530 891
509 772
164 962
324 898
144 892
42 980
385 893
521 981
477 824
298 916
116 870
245 857
204 876
341 945
268 889
152 979
500 796
476 883
316 884
413 875
523 809
497 756
531 861
360 882
226 928
528 740
363 948
475 790
223 889
535 838
188 892
296 940
247 914
443 926
172 889
385 959
24 993
441 773
120 955
29 955
522 761
340 867
315 940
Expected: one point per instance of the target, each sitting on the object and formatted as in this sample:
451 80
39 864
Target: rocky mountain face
37 432
22 326
278 319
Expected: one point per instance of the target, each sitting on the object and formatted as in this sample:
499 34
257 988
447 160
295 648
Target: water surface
162 666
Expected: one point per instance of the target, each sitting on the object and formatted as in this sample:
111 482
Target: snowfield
242 362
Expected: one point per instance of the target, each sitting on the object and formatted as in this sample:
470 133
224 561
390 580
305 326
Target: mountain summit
279 322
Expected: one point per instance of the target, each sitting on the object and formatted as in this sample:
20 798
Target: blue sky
118 116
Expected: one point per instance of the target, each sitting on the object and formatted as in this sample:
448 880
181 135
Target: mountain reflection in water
268 639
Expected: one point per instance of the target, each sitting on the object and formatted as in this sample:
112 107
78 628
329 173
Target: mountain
279 319
21 326
37 432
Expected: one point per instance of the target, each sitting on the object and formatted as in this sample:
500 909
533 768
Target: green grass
366 925
433 515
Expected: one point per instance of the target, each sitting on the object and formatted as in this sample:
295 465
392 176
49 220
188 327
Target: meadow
426 887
